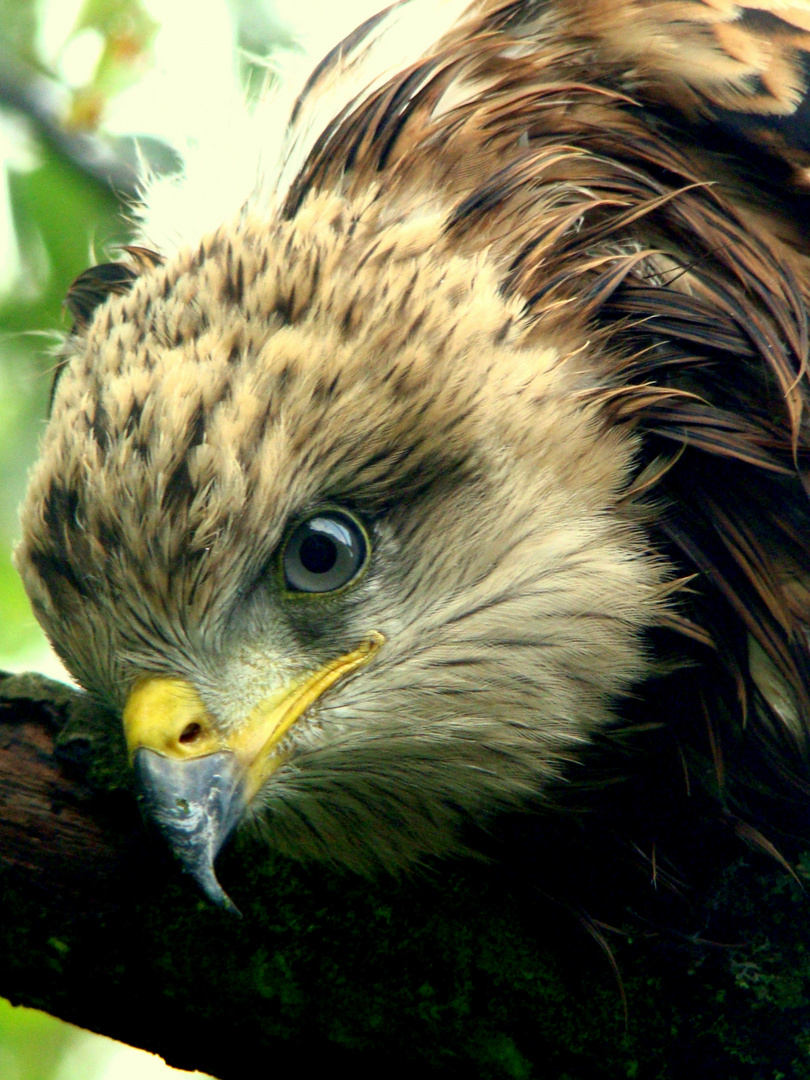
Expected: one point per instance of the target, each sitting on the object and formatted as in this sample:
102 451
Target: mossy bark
462 970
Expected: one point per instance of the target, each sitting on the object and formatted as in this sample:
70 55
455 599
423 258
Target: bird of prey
475 428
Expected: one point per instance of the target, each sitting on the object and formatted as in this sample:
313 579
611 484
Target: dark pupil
318 554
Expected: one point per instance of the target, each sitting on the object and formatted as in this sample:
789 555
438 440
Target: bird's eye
324 553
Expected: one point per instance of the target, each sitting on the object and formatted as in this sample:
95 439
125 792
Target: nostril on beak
191 733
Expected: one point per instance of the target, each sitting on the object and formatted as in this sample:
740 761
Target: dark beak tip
194 805
206 879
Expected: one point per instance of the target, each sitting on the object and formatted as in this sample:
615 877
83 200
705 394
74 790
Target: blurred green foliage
57 212
18 28
53 212
31 1044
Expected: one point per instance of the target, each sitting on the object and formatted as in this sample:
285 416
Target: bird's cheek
255 742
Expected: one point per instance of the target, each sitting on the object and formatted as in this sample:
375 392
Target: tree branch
110 161
469 970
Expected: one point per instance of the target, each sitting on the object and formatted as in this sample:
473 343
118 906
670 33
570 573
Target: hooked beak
194 781
195 806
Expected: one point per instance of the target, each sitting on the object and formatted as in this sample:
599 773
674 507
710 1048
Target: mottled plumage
526 308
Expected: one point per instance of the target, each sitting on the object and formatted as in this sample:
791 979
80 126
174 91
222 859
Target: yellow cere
161 714
168 716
